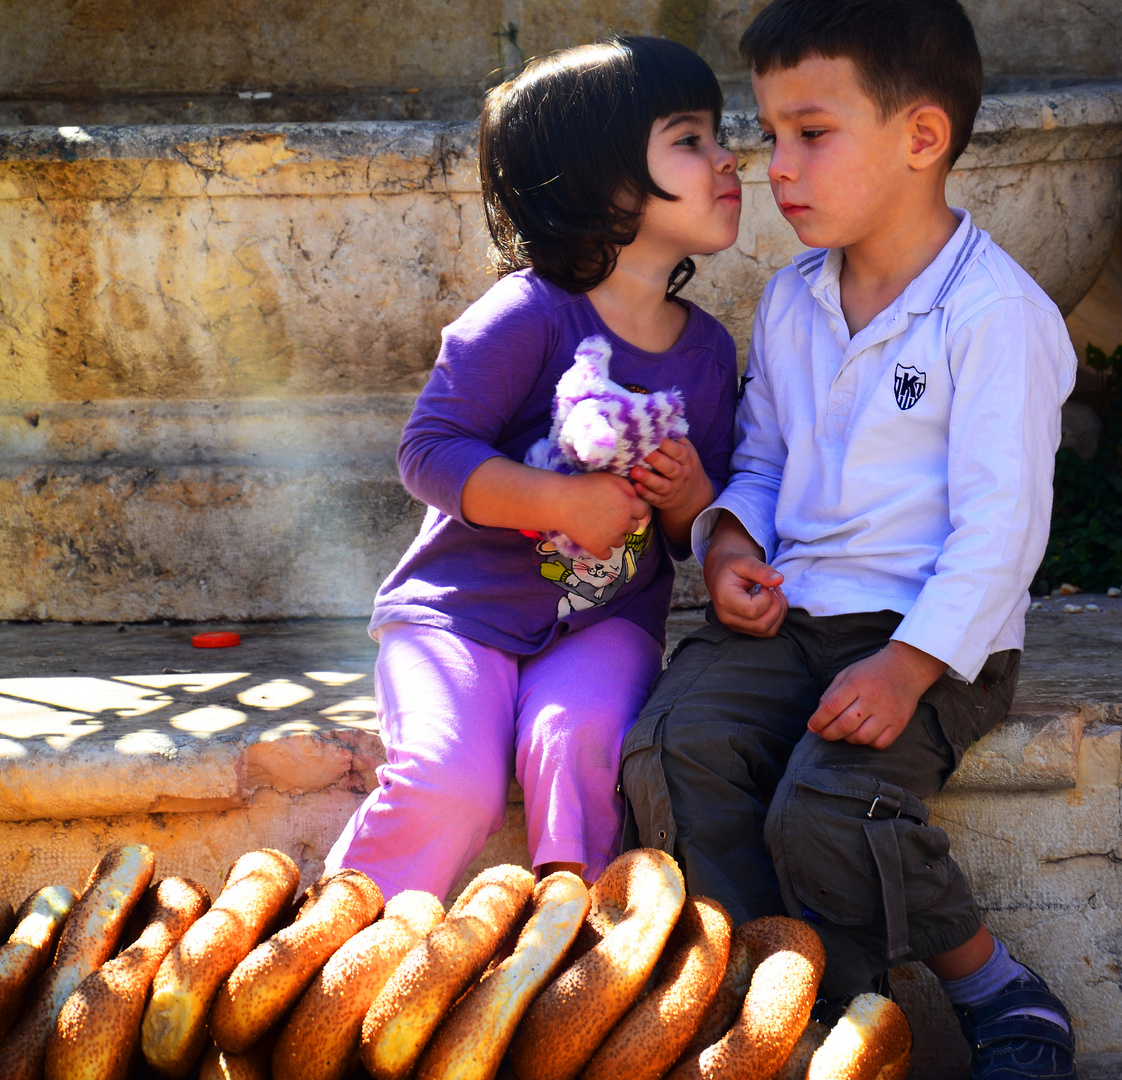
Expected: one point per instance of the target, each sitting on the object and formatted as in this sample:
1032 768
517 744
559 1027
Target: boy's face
837 171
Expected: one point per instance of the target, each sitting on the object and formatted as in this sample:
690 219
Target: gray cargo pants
767 818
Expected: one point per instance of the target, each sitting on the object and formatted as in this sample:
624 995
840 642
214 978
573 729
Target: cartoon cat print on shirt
589 581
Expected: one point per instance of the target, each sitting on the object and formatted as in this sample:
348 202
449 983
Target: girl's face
685 159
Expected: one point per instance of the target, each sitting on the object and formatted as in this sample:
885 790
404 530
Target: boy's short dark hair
563 154
905 51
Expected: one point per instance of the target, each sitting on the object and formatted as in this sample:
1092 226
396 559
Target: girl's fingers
679 450
663 463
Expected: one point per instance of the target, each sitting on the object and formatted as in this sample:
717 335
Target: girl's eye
690 140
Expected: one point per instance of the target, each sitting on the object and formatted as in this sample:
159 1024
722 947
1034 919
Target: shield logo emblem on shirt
909 385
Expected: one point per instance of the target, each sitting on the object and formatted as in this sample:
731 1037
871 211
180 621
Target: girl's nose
725 160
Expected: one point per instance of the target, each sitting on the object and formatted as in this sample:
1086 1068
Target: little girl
601 175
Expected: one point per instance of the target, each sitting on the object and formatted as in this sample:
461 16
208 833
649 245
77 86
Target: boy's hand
745 590
599 510
673 480
870 702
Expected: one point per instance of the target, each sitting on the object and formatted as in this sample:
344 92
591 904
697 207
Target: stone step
113 734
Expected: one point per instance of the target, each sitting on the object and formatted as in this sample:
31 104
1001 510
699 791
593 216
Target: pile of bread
553 981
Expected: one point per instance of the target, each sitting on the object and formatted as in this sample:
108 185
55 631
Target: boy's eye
813 133
767 136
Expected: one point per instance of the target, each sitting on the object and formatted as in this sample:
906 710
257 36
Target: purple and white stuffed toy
599 425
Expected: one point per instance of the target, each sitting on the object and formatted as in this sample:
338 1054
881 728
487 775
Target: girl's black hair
563 154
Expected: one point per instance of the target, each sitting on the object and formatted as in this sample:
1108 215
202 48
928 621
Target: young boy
869 561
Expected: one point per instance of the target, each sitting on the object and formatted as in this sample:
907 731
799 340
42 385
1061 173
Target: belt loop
885 847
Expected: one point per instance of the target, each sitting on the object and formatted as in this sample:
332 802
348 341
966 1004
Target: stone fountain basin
210 335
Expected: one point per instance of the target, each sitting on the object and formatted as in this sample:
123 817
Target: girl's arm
675 483
595 510
490 374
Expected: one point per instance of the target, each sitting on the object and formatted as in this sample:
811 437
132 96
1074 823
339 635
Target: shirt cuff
962 653
763 532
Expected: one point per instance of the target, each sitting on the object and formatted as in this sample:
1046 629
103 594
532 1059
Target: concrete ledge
111 734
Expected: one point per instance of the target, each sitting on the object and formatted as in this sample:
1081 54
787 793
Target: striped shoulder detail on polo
810 262
969 243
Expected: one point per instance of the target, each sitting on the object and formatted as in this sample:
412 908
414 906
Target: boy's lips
792 208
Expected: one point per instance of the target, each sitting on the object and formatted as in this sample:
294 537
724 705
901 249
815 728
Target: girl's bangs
672 78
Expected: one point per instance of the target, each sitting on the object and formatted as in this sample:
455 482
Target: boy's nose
781 166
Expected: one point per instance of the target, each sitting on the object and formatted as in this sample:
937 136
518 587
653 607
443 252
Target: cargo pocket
648 819
859 850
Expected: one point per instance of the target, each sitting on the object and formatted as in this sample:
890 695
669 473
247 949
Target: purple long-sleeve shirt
490 394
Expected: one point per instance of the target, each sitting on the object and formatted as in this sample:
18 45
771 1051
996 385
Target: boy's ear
929 136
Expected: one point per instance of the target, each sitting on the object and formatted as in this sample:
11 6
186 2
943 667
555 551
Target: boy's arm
1012 366
734 538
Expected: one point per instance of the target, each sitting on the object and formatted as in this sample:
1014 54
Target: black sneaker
1018 1047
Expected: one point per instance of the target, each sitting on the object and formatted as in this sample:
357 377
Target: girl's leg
447 710
576 700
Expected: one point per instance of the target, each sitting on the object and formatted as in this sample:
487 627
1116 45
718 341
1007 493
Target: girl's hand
599 510
674 482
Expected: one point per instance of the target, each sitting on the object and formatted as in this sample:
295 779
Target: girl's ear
929 136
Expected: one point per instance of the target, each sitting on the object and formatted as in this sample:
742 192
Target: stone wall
151 61
210 337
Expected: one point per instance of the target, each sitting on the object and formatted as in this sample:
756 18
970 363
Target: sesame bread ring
635 904
436 971
252 1065
730 995
645 1044
7 920
89 937
269 981
30 947
320 1040
776 1009
798 1061
473 1037
173 1033
97 1031
872 1041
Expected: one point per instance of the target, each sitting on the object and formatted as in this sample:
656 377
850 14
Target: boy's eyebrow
803 111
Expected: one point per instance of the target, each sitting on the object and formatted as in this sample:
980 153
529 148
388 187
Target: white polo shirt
910 467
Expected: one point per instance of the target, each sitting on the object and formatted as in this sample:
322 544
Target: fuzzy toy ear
595 350
588 435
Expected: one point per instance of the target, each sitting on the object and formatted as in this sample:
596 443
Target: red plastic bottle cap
220 639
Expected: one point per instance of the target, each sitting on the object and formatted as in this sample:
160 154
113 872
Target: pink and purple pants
460 718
